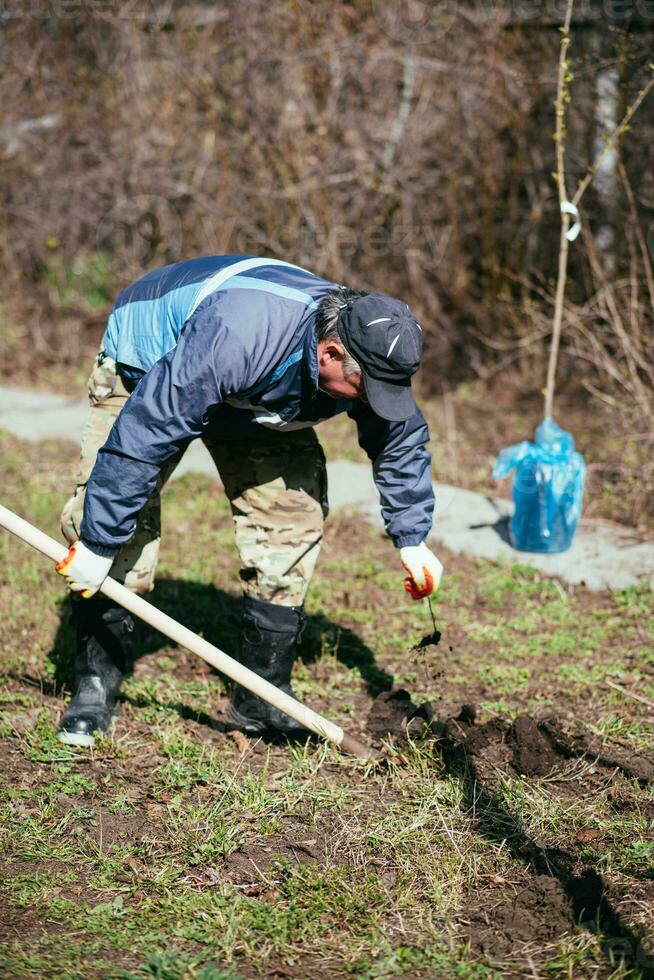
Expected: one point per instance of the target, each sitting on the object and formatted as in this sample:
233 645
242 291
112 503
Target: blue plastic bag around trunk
548 489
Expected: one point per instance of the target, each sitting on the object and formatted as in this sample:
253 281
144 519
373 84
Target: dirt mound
522 748
532 752
529 746
540 912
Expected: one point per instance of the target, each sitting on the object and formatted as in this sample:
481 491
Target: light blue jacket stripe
210 285
151 326
110 338
287 292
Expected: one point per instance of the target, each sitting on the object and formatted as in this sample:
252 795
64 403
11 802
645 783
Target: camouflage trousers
276 485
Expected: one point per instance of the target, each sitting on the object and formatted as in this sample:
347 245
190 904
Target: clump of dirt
390 714
529 746
540 912
430 640
532 752
465 742
463 730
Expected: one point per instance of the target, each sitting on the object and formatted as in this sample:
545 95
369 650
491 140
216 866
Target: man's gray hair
329 310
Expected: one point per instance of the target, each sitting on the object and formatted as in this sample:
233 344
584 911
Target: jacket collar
310 356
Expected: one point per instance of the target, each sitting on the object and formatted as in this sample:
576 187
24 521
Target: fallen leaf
586 835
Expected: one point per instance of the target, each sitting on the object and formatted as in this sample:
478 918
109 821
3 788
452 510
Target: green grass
175 850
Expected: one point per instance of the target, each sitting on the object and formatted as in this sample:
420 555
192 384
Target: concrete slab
470 523
196 459
36 415
465 522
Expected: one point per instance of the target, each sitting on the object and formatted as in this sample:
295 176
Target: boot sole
86 740
76 738
246 724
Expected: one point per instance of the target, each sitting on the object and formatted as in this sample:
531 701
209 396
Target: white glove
424 570
84 570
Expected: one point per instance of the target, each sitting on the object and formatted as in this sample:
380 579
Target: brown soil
560 890
556 891
528 747
390 713
247 866
540 912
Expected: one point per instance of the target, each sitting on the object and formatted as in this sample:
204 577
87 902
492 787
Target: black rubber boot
269 648
103 630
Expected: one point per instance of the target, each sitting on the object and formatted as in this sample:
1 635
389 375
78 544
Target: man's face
332 380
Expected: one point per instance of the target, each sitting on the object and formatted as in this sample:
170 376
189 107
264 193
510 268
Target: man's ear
334 350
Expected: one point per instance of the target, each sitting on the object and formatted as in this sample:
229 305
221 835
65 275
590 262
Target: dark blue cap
385 338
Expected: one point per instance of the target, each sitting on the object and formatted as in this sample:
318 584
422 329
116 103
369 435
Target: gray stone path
602 556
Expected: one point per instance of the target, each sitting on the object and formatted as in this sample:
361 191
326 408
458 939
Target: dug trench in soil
563 891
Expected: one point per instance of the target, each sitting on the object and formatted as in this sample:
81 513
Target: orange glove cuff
62 565
419 591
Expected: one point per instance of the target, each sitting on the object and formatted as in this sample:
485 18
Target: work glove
424 570
84 570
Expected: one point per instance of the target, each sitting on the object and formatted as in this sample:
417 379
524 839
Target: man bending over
247 354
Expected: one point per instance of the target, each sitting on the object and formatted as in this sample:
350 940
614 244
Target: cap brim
393 402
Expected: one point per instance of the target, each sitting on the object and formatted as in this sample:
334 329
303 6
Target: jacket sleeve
401 468
170 406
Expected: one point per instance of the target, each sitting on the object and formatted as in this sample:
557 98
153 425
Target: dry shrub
337 134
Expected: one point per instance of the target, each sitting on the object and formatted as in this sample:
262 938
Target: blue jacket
224 345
